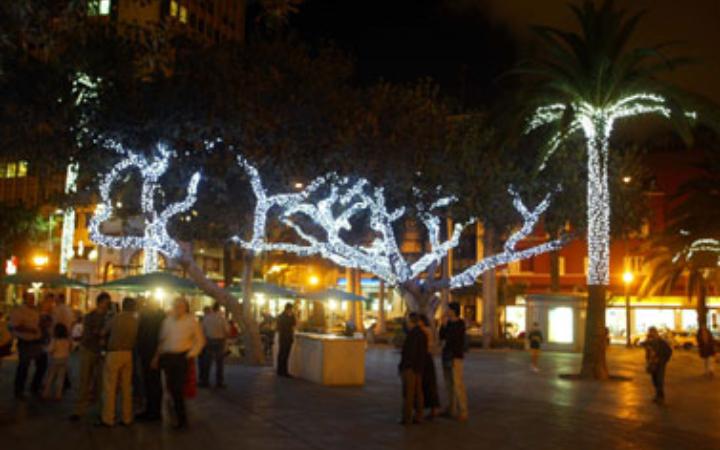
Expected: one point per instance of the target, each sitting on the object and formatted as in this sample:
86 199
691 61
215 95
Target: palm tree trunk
555 271
381 309
594 364
702 305
251 336
489 292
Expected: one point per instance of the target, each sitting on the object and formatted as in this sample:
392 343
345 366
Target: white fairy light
68 227
330 202
703 245
597 125
155 236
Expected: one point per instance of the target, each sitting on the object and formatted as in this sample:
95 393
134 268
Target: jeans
29 352
658 379
117 372
457 397
175 366
214 351
285 345
412 395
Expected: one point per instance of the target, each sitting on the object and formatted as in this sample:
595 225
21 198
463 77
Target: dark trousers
152 388
658 379
214 352
174 366
283 354
29 352
412 395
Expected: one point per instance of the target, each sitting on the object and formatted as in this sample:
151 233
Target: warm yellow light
275 268
40 260
626 179
159 294
628 277
332 305
314 280
259 299
344 306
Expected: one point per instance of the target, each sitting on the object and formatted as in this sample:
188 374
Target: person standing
90 354
535 340
62 313
118 368
706 347
181 339
657 355
431 398
150 322
286 334
216 330
25 325
412 364
58 353
452 332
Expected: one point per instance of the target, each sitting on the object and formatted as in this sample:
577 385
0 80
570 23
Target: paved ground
510 408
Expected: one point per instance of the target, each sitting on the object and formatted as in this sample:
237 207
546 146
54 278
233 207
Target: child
58 352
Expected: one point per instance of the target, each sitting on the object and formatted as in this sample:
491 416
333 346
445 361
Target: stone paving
510 408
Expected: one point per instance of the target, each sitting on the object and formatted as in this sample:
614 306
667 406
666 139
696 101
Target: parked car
683 339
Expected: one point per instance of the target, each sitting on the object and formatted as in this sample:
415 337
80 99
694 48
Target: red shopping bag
190 388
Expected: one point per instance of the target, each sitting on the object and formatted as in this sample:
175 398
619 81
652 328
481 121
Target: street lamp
628 278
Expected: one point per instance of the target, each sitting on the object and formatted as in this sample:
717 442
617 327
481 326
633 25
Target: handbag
190 387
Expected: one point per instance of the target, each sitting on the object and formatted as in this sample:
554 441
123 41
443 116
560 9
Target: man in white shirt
181 339
25 324
63 314
215 328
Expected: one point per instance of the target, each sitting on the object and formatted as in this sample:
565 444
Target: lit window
560 324
174 8
2 171
183 14
98 7
22 169
11 170
104 7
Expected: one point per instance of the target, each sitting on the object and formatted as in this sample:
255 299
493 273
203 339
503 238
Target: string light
329 203
597 124
155 236
708 245
68 227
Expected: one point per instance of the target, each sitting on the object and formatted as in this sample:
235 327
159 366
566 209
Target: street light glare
314 280
40 260
628 277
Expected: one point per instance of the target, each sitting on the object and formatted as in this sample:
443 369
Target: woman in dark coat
429 379
706 347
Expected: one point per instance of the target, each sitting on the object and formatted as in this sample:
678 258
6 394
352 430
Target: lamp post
628 277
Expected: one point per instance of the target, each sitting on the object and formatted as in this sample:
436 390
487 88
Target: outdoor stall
37 281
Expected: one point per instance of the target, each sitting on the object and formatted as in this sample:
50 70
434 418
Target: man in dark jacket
412 363
151 319
657 355
286 331
453 333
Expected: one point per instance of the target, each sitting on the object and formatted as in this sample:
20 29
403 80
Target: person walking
90 355
286 334
25 325
58 353
535 340
412 363
706 348
215 328
150 322
452 332
431 398
657 355
121 334
181 339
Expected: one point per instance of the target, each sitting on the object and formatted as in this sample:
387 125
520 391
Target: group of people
124 352
417 368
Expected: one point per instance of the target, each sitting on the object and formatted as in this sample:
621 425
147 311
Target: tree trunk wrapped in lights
321 214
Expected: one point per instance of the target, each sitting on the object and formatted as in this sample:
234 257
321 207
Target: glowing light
93 255
40 260
159 294
698 245
155 237
628 277
11 266
597 124
314 280
68 227
626 179
332 305
259 299
330 203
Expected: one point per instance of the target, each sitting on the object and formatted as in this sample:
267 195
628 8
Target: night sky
466 44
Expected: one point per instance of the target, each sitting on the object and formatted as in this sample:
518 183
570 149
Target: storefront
561 319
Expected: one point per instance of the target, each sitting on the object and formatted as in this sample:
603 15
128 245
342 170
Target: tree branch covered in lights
155 236
322 212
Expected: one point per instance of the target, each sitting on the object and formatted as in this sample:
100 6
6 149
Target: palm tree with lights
584 84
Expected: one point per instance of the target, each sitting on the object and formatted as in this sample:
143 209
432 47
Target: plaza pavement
510 408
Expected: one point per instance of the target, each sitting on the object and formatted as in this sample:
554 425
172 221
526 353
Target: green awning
46 278
151 281
263 287
335 294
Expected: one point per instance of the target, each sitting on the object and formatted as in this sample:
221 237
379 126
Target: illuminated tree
324 212
587 82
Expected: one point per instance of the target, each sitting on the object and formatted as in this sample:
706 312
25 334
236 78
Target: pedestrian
90 355
431 398
412 364
706 347
150 322
535 340
452 332
58 353
215 328
25 324
181 339
62 313
286 334
657 355
121 334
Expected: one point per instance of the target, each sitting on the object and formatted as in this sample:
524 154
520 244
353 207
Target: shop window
560 325
174 8
11 170
183 14
22 168
98 7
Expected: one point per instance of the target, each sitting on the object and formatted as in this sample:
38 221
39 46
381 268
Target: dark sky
466 44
